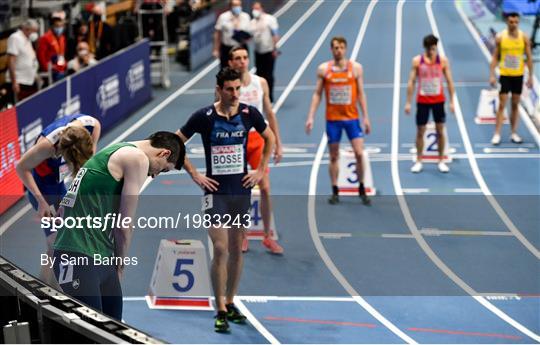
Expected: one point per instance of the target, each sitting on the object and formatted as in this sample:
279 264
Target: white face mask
256 13
236 10
33 36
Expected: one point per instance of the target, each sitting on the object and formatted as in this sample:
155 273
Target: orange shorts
255 147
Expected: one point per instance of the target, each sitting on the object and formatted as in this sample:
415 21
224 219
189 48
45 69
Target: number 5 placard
181 278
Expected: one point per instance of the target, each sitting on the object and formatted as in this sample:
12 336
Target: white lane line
472 161
265 299
403 203
415 190
334 235
312 221
284 8
299 22
467 190
457 232
397 236
15 218
254 322
505 150
524 116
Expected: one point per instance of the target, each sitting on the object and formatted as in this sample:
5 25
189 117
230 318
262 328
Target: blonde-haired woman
58 153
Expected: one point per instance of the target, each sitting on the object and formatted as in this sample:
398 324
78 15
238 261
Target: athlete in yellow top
511 45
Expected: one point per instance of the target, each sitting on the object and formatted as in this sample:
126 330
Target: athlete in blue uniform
58 153
224 127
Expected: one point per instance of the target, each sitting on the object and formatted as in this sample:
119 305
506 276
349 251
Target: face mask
236 10
58 31
256 13
33 36
82 53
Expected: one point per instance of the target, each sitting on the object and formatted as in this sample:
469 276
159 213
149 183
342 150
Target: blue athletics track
437 258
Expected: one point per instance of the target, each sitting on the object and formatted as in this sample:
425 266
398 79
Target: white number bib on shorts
340 94
227 159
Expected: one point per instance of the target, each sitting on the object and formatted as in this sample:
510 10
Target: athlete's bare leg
218 272
503 98
420 130
514 115
358 149
333 167
441 140
235 263
266 211
46 273
266 203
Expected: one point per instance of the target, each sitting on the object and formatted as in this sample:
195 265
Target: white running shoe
443 167
516 139
496 140
417 167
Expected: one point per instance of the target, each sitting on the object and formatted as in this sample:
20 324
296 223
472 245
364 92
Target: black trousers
265 68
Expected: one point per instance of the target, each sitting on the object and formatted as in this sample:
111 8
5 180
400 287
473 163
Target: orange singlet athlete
342 82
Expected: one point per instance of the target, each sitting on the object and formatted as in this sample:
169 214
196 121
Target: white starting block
256 231
431 148
348 178
486 113
181 278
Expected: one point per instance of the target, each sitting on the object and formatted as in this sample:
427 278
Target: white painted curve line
284 8
313 229
299 22
293 29
254 322
472 160
15 218
524 116
397 183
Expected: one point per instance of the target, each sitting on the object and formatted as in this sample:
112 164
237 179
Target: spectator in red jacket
52 49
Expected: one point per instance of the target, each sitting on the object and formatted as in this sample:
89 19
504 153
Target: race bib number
511 62
71 196
207 202
65 274
227 159
430 87
340 94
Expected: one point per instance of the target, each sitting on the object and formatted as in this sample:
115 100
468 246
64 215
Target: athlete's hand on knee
309 126
205 182
252 178
278 153
407 108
